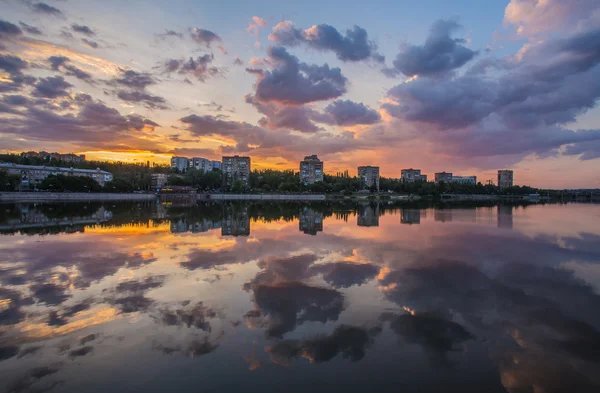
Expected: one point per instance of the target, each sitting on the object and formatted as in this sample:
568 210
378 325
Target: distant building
412 175
464 179
369 175
180 163
217 165
202 164
505 178
311 170
236 168
443 176
32 175
310 221
44 155
159 180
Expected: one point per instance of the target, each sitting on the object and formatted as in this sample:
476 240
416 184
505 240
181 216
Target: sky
467 87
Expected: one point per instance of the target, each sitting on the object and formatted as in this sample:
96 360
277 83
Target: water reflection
220 296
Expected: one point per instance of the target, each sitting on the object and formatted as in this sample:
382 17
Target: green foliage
70 183
9 182
118 185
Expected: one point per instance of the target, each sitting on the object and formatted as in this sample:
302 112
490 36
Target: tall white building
180 163
201 164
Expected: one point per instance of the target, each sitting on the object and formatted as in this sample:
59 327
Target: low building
311 170
180 163
464 179
32 175
236 168
445 177
369 176
505 178
159 180
412 175
44 155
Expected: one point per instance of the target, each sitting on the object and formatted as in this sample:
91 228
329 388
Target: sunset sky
465 86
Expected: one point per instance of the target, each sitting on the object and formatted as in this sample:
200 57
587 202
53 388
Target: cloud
169 33
205 37
200 68
83 29
137 82
62 63
30 29
134 79
348 113
144 285
346 274
294 83
49 294
353 46
439 55
90 43
52 87
9 30
44 8
300 118
349 341
238 61
197 317
141 97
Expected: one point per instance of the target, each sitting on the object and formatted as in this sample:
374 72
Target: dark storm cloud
200 68
527 103
7 352
585 151
197 316
142 97
346 274
30 29
52 87
293 83
62 63
90 43
348 113
440 54
9 30
205 37
349 341
353 46
282 307
83 29
44 8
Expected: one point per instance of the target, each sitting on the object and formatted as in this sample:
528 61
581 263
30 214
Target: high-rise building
236 168
369 175
443 176
505 178
180 163
159 180
464 179
311 170
201 164
412 175
217 165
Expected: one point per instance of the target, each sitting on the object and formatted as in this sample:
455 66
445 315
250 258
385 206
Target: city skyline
464 87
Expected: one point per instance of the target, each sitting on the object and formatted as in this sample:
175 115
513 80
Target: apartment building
464 179
236 168
505 178
412 175
32 175
311 170
180 163
369 176
159 180
446 177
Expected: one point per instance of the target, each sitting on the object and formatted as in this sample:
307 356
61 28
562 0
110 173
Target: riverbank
262 197
12 197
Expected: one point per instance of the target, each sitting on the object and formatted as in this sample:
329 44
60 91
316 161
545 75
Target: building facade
464 179
217 165
32 175
443 176
159 180
311 170
201 164
180 163
412 175
369 176
505 178
44 155
236 168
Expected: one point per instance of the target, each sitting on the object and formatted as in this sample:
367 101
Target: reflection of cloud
196 316
350 341
346 274
287 304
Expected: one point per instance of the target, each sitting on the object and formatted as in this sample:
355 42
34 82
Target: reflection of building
368 216
464 179
443 176
236 221
311 170
182 225
410 216
442 215
505 216
32 175
412 175
311 221
369 176
180 163
236 168
159 180
505 178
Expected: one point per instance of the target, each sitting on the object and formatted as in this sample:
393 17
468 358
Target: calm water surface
292 297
